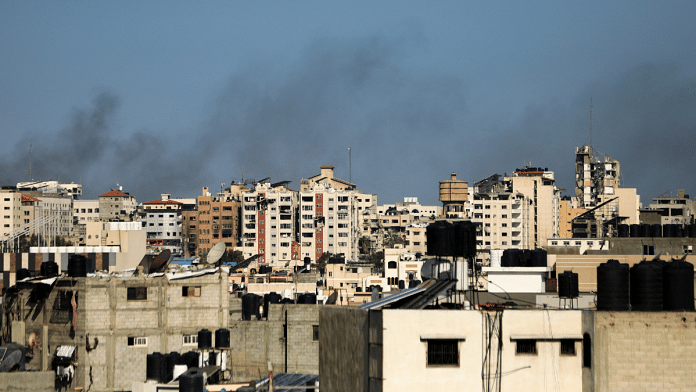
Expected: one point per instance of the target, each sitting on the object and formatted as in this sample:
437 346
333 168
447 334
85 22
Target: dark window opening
137 293
315 333
567 347
526 346
443 352
586 351
191 291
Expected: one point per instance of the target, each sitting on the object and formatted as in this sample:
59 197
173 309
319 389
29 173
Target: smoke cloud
408 129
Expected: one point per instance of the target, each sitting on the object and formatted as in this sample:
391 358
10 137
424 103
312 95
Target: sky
169 97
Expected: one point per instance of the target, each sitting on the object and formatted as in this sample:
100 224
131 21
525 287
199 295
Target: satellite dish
216 252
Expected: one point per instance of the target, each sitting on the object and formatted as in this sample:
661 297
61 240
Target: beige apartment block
215 220
539 186
116 205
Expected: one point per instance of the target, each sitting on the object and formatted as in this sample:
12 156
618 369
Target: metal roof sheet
391 298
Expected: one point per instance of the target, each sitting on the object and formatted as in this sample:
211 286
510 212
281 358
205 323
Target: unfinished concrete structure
114 322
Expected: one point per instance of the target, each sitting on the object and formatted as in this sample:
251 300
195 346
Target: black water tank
678 285
645 230
439 237
511 258
307 298
568 285
77 266
646 286
358 289
287 301
222 338
155 366
678 231
692 230
270 298
250 306
49 269
205 339
612 286
170 360
23 273
656 230
525 258
402 284
623 230
464 239
191 381
538 258
634 230
190 359
668 231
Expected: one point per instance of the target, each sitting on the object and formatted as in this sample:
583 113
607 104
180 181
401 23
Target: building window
190 340
137 293
137 341
648 250
526 346
567 347
443 352
315 333
586 351
191 291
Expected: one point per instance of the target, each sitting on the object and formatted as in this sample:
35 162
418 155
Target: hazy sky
165 96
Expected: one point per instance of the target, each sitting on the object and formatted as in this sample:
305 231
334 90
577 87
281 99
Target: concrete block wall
644 351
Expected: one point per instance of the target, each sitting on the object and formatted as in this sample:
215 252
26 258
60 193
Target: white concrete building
161 220
268 225
456 350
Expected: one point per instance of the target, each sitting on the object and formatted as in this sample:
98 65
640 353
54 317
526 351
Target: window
443 352
526 346
137 341
567 347
137 294
315 333
648 250
191 291
586 351
190 340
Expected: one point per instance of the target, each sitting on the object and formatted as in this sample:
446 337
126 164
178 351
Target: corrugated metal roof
65 351
392 298
281 380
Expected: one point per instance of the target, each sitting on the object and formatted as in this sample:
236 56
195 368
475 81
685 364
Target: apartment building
215 219
595 175
161 220
539 186
117 205
667 210
48 216
268 224
328 222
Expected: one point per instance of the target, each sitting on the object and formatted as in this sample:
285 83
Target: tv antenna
591 118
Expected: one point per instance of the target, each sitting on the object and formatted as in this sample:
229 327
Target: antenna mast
31 176
350 167
590 121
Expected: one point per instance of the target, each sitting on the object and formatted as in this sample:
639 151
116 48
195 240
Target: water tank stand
563 303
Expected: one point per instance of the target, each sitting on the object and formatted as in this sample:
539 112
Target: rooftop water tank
646 286
678 286
612 286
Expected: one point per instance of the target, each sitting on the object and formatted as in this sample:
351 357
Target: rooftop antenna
591 117
31 176
350 167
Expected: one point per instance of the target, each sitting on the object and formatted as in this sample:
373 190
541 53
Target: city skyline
170 99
